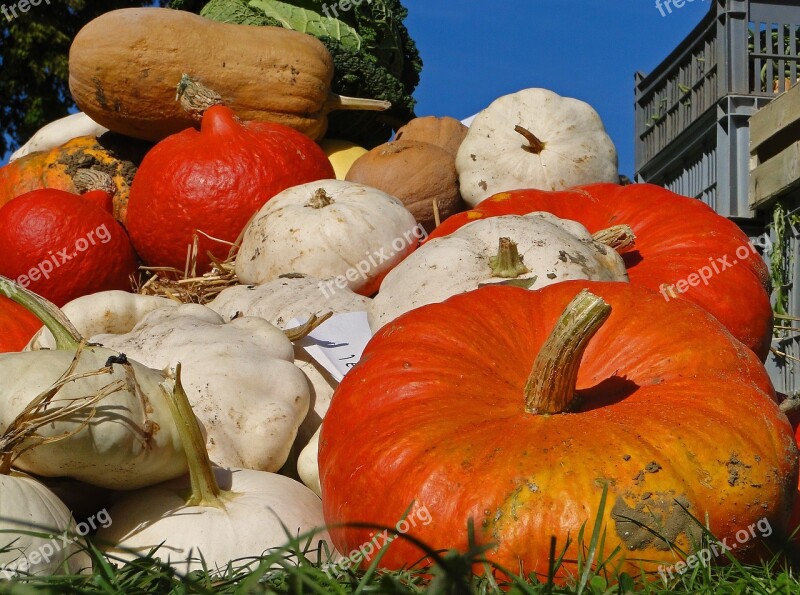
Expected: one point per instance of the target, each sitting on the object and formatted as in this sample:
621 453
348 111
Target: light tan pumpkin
445 132
417 173
124 67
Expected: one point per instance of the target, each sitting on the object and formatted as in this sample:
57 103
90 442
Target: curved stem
508 263
341 102
617 237
65 334
534 145
551 385
205 489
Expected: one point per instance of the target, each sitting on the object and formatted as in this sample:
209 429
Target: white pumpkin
543 249
26 506
230 514
345 233
59 132
534 139
308 464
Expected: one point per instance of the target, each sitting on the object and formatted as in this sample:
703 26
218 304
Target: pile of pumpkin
531 356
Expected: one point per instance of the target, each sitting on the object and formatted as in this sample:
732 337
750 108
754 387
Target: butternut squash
124 67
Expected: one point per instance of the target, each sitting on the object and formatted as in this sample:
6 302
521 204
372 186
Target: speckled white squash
534 139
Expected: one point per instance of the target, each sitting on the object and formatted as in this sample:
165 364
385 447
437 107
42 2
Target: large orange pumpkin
17 326
683 249
667 411
112 154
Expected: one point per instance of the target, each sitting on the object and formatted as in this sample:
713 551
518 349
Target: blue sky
478 50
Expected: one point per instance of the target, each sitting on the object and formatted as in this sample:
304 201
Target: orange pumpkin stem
508 263
534 145
551 385
617 237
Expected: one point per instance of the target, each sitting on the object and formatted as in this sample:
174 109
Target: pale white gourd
330 229
230 514
551 250
534 139
308 464
28 506
58 132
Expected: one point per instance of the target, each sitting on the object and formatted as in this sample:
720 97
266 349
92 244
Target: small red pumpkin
62 245
677 239
475 408
211 182
17 326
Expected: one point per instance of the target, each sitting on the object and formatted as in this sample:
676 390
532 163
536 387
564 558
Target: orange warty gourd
516 409
677 239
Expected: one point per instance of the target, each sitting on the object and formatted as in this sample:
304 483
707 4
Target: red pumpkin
683 249
212 181
794 522
62 245
666 409
17 326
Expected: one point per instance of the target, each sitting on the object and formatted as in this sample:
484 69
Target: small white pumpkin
532 251
230 514
308 464
58 132
534 139
27 506
345 233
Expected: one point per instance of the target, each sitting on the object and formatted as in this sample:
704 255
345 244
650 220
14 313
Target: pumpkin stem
320 200
534 145
195 97
65 334
88 180
301 332
508 263
205 489
551 385
617 237
341 102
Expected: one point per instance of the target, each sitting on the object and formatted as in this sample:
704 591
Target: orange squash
113 154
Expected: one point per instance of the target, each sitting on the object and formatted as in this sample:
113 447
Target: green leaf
306 19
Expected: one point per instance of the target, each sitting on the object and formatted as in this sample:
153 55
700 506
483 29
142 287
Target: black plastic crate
691 112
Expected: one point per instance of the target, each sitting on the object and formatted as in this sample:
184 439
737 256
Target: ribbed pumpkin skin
214 181
672 407
72 238
676 237
55 168
17 326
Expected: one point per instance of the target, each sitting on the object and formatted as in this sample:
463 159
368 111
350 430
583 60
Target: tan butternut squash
124 67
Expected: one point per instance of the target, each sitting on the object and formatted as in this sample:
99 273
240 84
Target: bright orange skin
794 521
214 180
676 237
17 326
434 414
73 239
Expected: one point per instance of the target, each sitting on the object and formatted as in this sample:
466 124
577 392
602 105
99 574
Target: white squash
535 250
230 514
28 506
347 234
308 464
107 423
59 132
240 376
534 139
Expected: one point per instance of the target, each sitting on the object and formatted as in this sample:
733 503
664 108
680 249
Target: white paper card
337 344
